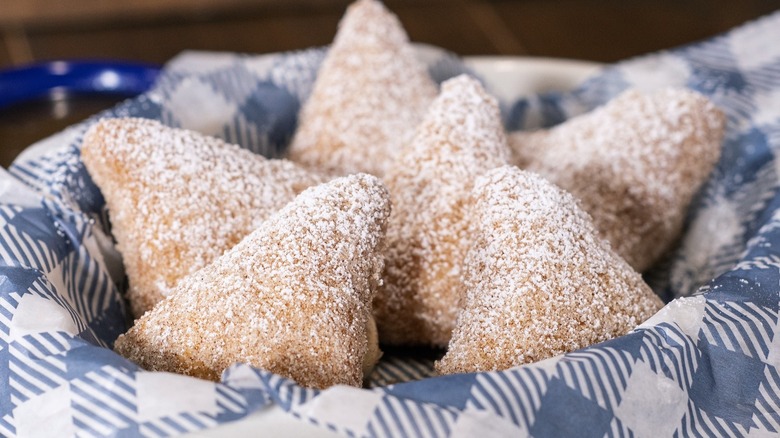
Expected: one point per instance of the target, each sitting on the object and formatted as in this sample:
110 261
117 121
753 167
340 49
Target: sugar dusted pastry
370 94
634 163
178 199
460 139
539 281
294 297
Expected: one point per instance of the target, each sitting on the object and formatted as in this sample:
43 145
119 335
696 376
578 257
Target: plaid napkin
707 364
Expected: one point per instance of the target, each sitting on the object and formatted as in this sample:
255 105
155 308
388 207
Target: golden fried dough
461 138
539 281
178 199
294 297
370 94
635 164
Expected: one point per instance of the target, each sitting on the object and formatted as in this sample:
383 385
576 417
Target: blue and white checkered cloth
707 364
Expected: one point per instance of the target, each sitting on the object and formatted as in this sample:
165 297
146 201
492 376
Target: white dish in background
507 77
510 78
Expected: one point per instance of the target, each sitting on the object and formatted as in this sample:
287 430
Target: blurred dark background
156 30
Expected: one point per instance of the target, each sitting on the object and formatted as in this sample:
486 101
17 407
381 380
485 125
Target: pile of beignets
404 215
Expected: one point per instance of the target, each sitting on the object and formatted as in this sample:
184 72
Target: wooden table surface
154 31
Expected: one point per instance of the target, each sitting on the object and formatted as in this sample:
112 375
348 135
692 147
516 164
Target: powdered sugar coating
461 138
634 163
294 297
179 199
539 281
370 94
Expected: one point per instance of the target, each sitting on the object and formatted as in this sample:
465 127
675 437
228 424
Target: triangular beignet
538 279
370 93
178 199
460 139
294 297
635 164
